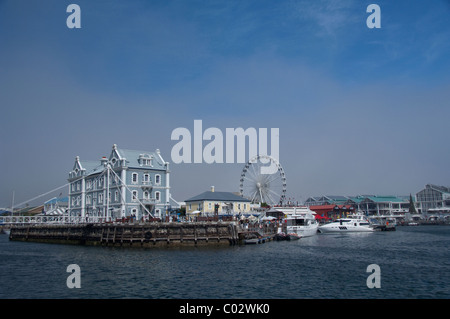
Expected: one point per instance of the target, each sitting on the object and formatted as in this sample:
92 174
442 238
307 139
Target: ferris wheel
263 181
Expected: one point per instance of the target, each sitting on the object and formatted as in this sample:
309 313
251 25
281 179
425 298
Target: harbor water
414 263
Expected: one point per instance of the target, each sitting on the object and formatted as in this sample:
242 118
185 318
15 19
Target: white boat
353 223
299 221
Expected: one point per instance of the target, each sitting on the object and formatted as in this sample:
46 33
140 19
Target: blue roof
57 200
132 160
218 196
132 157
91 167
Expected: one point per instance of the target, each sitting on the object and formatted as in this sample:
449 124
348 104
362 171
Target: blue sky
360 111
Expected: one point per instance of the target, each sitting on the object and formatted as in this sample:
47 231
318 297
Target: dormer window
145 160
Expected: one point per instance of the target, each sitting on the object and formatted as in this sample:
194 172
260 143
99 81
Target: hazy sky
360 111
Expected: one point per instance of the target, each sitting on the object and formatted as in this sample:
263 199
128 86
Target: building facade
127 183
212 202
382 205
369 204
433 198
56 206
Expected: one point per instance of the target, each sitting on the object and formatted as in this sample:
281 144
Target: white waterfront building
434 199
127 183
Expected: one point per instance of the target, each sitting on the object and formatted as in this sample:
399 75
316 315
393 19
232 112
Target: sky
359 110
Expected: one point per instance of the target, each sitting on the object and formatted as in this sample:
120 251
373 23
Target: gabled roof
132 160
132 157
91 167
336 197
84 168
217 196
442 189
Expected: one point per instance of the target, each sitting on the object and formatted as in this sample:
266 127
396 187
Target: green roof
382 199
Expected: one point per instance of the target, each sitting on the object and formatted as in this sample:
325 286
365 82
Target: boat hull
344 229
303 231
293 236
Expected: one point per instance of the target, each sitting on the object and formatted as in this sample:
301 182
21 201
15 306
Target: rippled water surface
414 263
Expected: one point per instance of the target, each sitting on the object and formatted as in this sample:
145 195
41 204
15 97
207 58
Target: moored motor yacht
299 221
352 223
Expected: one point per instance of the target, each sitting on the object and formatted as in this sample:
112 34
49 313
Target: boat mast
12 204
107 192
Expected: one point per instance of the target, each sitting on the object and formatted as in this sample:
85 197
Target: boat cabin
297 221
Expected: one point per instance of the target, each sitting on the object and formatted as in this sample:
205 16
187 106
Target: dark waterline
414 263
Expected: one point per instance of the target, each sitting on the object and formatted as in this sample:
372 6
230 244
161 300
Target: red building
332 211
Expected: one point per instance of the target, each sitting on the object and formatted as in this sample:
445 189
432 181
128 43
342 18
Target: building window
134 196
88 199
134 178
209 206
157 179
157 196
89 184
116 196
100 198
146 179
145 160
146 195
190 206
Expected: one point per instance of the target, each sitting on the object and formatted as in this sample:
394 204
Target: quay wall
132 235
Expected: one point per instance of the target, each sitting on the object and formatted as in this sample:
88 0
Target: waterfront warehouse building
221 203
433 199
127 183
369 204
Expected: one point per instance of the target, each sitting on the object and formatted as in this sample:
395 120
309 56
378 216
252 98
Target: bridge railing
18 220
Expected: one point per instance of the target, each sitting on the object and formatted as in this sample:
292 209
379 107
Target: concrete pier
131 235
